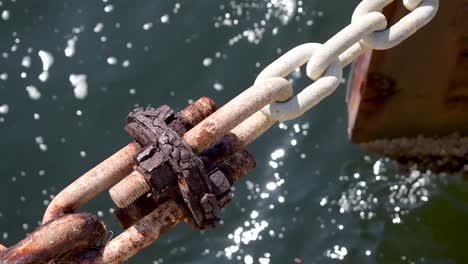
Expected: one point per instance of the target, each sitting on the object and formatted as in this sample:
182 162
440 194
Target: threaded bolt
196 112
134 185
129 189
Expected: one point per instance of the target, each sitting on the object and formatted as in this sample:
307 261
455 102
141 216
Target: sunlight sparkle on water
4 108
47 61
98 28
147 26
207 61
337 252
26 61
33 92
279 153
165 19
5 14
80 85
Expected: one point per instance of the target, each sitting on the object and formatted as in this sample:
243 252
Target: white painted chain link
325 62
422 12
366 31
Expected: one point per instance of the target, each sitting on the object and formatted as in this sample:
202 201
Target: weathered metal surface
134 212
222 154
228 172
113 169
196 112
146 126
52 241
134 239
438 154
166 161
155 224
237 110
224 148
129 189
238 165
422 12
98 179
416 90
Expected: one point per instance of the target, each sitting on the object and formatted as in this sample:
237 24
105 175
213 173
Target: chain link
344 40
325 62
422 12
308 97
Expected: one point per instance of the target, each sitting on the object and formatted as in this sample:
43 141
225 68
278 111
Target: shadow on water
314 197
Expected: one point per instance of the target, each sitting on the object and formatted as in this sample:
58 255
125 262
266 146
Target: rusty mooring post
411 102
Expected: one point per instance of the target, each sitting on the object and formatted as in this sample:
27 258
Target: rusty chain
233 126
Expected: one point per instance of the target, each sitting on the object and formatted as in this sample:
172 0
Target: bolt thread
132 187
197 111
129 189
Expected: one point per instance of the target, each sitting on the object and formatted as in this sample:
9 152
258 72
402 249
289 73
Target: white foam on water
112 60
98 28
47 61
218 86
165 19
147 26
207 61
33 92
279 153
4 108
40 143
44 76
26 62
80 85
6 14
108 8
337 252
70 49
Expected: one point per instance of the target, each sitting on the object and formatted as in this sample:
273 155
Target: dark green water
314 197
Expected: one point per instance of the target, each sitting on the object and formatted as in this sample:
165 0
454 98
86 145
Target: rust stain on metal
196 112
460 20
240 164
96 180
206 132
113 169
134 239
226 148
56 238
380 88
457 93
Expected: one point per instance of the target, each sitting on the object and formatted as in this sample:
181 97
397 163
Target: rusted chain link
246 117
54 240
